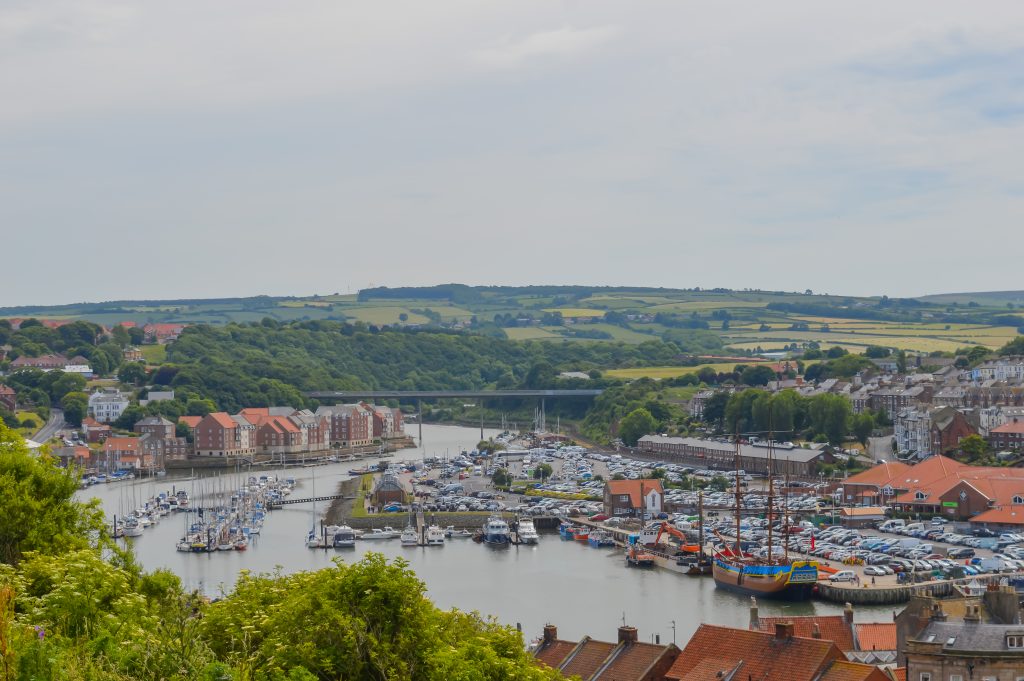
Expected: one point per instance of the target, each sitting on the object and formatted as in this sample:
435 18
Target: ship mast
771 485
739 496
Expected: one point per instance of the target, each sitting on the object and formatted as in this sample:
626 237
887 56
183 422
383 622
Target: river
584 591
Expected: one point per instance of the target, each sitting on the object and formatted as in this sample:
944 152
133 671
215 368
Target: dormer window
1015 641
920 496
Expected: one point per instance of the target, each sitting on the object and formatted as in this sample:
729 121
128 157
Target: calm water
580 589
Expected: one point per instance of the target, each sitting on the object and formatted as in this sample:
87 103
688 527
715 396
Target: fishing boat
527 532
241 544
600 539
581 534
435 536
636 556
409 537
566 530
773 576
226 546
344 538
495 532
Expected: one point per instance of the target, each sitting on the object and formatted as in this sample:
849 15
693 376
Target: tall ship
773 576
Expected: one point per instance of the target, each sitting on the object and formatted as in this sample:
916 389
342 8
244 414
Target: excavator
656 530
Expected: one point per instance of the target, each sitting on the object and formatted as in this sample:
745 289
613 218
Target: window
956 677
925 676
1018 499
920 495
1015 641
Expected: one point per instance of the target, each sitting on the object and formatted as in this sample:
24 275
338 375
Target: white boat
386 533
132 528
462 534
435 536
227 546
312 541
409 537
344 538
527 532
184 545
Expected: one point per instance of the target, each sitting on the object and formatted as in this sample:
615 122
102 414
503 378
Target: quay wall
887 595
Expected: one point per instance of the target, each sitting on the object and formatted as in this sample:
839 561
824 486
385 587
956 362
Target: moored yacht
409 537
435 536
344 537
527 532
495 532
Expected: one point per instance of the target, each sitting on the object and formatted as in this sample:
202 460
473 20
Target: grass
575 312
667 372
530 333
384 315
154 354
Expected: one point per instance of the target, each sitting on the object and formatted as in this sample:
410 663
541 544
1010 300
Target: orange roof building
715 653
633 497
628 659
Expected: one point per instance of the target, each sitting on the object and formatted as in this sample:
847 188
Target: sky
197 149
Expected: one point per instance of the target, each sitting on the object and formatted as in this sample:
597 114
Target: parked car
843 576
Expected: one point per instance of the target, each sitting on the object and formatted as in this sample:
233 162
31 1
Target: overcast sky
202 149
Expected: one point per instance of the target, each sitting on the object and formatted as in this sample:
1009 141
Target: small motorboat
435 536
344 538
462 534
377 533
241 545
409 537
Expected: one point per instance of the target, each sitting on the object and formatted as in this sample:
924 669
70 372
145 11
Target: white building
1002 369
912 430
106 405
999 415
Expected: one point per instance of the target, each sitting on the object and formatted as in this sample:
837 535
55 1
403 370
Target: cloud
562 42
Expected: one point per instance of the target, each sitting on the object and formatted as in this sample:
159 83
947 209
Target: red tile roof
631 661
898 674
759 655
223 419
190 421
587 658
121 444
876 636
841 670
632 488
554 653
1006 515
1014 426
881 475
832 627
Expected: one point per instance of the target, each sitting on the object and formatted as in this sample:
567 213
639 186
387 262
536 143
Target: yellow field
915 343
304 303
703 305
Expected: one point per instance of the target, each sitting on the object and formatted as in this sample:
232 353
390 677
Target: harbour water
580 589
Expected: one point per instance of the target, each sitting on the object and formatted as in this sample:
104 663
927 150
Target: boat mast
739 497
771 485
785 519
700 520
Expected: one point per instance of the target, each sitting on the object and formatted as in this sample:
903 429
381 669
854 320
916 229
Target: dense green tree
861 427
757 375
877 352
38 511
542 471
199 407
75 406
975 449
1014 347
132 373
635 425
129 417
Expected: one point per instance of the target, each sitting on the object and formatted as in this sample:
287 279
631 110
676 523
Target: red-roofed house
220 434
8 398
626 660
1009 436
630 498
44 362
718 653
163 333
94 430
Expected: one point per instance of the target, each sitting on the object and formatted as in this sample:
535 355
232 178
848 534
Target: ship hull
793 582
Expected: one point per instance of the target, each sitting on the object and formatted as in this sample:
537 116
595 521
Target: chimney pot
627 635
816 633
848 613
550 633
755 619
783 631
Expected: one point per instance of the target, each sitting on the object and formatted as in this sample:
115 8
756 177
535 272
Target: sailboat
312 540
768 577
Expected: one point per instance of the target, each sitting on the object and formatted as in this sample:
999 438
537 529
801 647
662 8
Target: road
880 448
50 428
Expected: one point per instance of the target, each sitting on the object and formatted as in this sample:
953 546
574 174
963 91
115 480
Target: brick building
351 425
628 659
1009 436
220 434
8 398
